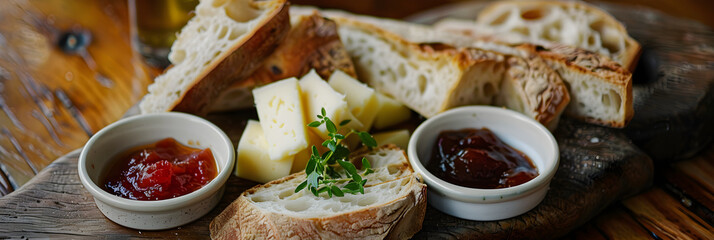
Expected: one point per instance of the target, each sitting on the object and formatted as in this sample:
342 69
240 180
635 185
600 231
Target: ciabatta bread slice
608 104
392 207
225 42
428 78
573 23
312 43
601 90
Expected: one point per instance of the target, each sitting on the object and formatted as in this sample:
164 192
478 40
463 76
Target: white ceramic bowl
513 128
146 129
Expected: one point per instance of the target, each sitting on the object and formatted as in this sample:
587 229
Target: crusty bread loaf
544 98
312 43
225 42
428 78
392 207
608 104
601 90
573 23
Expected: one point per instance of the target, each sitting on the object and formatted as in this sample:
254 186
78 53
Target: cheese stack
280 143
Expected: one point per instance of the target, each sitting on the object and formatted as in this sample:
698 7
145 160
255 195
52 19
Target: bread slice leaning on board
312 43
573 23
225 42
392 206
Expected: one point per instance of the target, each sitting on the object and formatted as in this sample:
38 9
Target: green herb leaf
337 192
310 166
340 153
352 186
367 139
338 136
313 179
322 110
314 191
314 124
314 151
301 186
330 126
331 145
349 167
365 163
345 122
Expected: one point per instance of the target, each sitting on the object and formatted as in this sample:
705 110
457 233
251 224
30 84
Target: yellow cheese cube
280 110
317 94
390 112
253 162
397 137
361 99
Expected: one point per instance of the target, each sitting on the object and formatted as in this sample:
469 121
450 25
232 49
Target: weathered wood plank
666 218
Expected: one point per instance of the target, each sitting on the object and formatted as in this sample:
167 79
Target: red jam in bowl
477 158
162 170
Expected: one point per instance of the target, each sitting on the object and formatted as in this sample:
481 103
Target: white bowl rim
476 195
157 205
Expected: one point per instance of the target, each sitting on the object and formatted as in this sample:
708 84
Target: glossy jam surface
163 170
477 158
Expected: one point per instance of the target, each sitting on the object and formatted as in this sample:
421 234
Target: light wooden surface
35 77
52 101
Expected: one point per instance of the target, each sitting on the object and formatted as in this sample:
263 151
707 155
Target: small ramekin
513 128
139 130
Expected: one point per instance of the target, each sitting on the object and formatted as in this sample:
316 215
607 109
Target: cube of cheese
280 110
253 162
317 94
397 137
390 112
361 99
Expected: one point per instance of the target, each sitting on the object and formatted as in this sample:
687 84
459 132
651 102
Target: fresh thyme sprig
321 174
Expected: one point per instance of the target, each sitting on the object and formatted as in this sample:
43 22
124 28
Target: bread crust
312 43
629 56
399 218
239 62
589 63
544 92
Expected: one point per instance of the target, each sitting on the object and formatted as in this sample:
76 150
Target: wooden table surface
71 95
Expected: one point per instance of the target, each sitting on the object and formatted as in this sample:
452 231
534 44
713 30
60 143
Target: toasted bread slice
312 43
392 207
573 23
225 42
428 78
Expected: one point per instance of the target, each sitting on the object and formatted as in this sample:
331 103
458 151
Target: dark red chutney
162 170
477 158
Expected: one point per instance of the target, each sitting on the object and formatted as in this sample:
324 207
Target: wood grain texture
52 100
666 218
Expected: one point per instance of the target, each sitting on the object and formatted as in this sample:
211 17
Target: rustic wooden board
598 167
54 204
